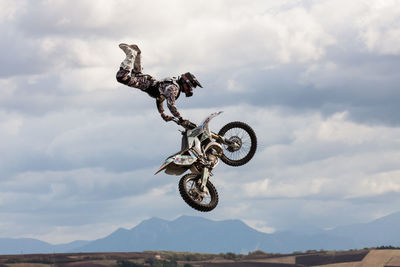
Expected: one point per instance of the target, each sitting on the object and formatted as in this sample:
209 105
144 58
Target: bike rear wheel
189 188
245 140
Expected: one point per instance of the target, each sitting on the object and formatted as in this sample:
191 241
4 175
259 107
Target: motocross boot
137 65
133 58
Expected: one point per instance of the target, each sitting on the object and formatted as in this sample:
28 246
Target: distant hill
382 231
31 246
23 245
197 234
183 234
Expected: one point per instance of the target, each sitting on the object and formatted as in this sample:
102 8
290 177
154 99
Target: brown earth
375 258
393 262
380 258
343 264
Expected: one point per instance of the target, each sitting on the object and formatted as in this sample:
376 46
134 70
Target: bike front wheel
189 188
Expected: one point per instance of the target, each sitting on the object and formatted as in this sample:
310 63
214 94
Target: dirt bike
235 144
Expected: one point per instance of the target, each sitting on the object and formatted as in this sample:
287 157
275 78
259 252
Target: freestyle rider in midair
169 89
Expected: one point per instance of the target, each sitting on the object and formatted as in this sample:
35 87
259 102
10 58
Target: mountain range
197 234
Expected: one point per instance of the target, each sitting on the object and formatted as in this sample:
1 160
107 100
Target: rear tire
245 135
189 190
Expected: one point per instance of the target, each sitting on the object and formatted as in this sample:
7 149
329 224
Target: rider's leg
128 64
131 52
130 71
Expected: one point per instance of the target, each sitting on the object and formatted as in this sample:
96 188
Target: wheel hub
237 144
196 194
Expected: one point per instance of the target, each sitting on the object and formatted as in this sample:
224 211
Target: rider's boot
137 65
132 59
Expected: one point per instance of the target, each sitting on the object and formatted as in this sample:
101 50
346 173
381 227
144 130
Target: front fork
205 176
225 141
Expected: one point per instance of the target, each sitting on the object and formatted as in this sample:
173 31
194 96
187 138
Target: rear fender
176 161
165 165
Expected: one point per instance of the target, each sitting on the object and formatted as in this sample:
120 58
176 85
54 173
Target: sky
317 80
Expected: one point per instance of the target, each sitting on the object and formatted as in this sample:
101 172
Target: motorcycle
235 144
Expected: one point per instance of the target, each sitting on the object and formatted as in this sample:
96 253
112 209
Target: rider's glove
182 122
186 124
166 117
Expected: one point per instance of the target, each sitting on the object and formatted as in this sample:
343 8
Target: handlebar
188 125
176 120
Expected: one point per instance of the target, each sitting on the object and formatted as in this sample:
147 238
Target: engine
213 151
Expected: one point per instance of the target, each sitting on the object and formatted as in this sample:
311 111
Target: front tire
192 195
243 135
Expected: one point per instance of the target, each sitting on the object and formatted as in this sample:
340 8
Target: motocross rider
169 89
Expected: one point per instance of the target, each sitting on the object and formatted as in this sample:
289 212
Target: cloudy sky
316 80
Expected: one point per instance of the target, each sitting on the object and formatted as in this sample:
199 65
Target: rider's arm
160 108
171 93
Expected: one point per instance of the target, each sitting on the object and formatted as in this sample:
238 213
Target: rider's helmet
191 82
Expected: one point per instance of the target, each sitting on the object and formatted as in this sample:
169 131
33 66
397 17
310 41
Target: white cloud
258 188
91 79
338 129
380 27
260 226
292 189
8 9
380 183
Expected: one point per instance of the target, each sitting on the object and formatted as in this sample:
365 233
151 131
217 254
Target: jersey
169 91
